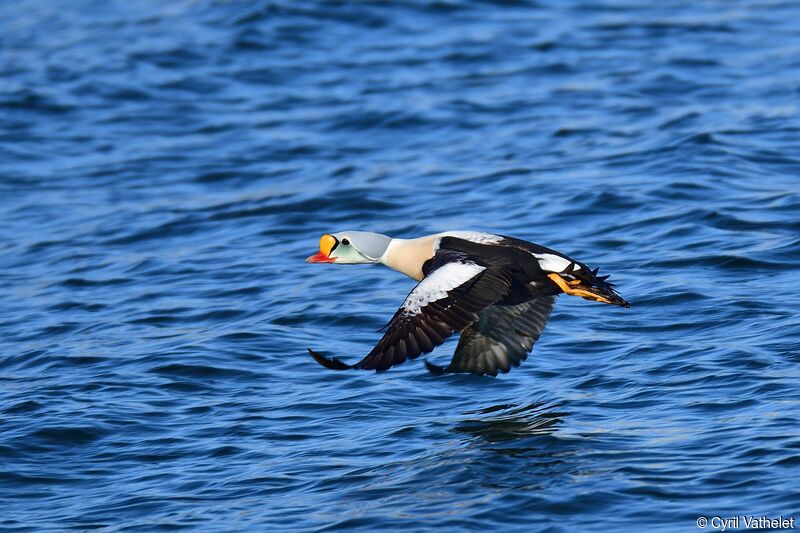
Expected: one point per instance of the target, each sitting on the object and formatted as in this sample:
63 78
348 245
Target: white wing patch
553 263
473 236
438 283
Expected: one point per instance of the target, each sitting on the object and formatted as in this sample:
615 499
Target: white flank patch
474 236
553 263
439 283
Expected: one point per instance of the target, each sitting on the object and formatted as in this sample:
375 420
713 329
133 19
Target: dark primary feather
332 363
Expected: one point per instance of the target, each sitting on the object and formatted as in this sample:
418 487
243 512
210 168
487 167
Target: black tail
589 285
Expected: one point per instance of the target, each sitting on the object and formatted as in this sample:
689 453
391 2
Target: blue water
165 168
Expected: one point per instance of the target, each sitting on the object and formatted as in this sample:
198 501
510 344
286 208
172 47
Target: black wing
502 338
450 298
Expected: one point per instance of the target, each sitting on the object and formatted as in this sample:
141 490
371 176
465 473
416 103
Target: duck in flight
496 291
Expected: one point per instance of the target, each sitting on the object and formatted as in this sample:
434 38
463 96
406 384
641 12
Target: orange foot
570 287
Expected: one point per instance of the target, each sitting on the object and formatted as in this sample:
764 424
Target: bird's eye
345 242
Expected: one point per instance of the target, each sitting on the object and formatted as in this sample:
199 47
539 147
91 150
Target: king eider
496 291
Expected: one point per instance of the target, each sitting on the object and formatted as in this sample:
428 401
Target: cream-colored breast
408 256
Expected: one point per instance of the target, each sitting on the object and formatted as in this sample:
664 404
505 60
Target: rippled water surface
165 168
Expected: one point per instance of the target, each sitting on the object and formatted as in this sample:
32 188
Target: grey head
359 247
351 247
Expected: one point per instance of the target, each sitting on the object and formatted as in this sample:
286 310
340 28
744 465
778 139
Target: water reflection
510 422
516 447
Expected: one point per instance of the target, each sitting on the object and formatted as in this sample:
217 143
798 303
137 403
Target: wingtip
436 370
331 363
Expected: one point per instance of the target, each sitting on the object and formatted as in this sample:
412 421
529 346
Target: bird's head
351 247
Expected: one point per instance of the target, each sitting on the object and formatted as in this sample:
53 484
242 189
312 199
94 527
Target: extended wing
446 301
502 338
